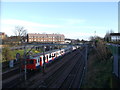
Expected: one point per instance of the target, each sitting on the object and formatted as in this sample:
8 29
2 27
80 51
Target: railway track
51 70
55 76
74 77
12 78
60 76
48 80
10 73
12 83
67 78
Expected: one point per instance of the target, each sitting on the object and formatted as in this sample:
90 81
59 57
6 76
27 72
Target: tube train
37 61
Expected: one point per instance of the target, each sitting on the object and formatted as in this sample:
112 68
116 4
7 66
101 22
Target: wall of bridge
116 59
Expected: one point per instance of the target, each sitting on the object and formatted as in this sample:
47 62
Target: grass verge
99 72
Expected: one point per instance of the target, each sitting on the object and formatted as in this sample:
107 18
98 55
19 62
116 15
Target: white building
67 41
115 36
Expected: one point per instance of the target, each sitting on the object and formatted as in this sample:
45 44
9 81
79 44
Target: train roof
47 52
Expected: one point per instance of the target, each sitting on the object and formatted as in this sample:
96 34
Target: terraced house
45 38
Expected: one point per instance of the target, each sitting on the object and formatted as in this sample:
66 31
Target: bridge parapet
115 49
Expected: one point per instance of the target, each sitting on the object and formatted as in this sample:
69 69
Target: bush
102 51
7 54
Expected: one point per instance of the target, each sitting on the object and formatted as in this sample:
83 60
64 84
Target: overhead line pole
86 51
43 57
25 62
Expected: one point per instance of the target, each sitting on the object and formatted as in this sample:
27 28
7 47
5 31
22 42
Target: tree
7 54
91 38
21 34
102 51
107 36
78 41
57 38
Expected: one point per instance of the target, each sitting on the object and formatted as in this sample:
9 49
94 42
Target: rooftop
115 34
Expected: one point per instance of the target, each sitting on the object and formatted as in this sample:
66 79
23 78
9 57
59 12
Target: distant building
67 41
45 38
115 36
74 41
2 35
13 39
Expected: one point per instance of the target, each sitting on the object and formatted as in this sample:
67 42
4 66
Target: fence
116 61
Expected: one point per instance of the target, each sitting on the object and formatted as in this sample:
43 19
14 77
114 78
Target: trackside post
43 59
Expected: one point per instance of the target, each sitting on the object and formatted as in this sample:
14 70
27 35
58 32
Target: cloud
78 34
27 23
71 21
81 35
70 30
75 21
8 26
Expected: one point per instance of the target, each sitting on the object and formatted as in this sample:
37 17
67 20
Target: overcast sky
73 19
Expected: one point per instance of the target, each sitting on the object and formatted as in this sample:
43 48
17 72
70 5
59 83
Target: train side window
35 61
40 59
30 62
50 56
44 57
47 56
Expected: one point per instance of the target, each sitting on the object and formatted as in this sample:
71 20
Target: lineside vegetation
8 54
99 69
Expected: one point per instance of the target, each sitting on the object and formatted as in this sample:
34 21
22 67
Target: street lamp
43 39
47 38
43 59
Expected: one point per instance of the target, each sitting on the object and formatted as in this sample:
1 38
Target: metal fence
116 61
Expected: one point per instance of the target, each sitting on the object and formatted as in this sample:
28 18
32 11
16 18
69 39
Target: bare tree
107 36
21 34
91 38
78 40
57 38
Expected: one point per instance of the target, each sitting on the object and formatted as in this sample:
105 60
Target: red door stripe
40 61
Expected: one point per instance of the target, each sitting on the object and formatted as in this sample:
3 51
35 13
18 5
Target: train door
59 53
56 54
63 51
52 56
47 58
41 63
37 62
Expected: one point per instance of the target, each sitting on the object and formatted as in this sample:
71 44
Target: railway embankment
99 68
